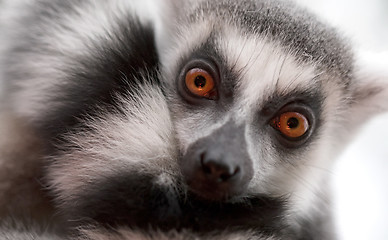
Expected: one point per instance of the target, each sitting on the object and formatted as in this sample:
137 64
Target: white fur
182 43
142 137
266 68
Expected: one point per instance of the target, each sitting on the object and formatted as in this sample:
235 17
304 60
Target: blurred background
361 175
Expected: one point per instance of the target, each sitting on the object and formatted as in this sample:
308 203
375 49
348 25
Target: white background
361 175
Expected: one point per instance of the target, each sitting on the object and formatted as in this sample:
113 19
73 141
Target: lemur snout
218 166
218 169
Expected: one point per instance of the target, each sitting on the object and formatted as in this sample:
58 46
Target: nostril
226 175
206 169
217 170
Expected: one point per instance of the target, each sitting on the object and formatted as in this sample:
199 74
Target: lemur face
254 108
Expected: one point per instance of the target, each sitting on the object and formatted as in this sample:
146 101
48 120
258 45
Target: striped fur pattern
97 130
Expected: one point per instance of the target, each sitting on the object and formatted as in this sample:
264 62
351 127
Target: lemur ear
370 87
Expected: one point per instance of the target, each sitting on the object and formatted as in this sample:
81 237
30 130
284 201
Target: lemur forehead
286 23
263 67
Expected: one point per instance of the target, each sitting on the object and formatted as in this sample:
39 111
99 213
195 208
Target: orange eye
291 124
200 83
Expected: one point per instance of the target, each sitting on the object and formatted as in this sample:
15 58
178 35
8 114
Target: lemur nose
217 170
218 166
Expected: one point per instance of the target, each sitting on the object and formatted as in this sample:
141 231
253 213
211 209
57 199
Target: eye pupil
293 123
200 81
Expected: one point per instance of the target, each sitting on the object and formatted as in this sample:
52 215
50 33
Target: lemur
196 119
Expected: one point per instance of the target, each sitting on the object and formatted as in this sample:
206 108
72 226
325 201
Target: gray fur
96 126
296 29
123 234
14 230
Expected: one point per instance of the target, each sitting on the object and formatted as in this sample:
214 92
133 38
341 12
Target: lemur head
258 98
262 97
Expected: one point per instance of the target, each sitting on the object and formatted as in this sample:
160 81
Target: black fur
112 70
136 200
112 67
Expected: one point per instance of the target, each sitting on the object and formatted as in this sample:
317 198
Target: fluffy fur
97 130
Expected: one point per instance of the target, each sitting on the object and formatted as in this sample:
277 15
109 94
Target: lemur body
182 120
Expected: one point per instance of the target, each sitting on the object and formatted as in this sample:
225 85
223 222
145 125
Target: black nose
218 170
218 166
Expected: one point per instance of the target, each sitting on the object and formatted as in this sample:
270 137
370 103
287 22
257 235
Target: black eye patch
293 117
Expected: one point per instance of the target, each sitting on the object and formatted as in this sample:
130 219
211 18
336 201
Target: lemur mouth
135 201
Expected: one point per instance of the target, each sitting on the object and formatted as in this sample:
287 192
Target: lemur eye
291 124
200 83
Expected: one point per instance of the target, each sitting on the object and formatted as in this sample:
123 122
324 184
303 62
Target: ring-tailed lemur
200 119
